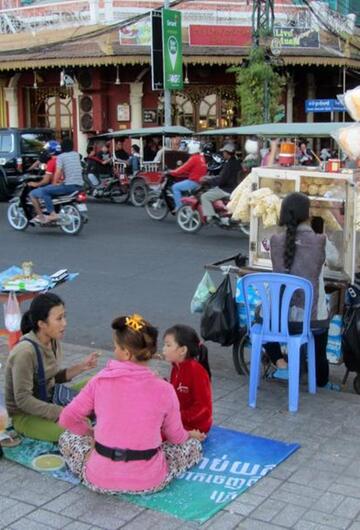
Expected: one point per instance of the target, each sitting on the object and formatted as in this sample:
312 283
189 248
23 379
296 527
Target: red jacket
194 168
193 388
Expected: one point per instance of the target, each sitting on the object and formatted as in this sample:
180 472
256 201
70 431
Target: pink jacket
133 406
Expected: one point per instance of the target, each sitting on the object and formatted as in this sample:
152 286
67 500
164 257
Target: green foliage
250 89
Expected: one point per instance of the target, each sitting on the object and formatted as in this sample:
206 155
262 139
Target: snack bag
352 102
348 139
12 313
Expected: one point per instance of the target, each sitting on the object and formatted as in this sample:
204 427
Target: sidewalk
317 488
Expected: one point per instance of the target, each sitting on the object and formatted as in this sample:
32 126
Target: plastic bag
333 347
12 313
351 333
202 294
254 301
348 139
219 322
352 102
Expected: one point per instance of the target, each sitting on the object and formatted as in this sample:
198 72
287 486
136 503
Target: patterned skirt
75 449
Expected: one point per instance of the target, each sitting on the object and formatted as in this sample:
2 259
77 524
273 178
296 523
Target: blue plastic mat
232 463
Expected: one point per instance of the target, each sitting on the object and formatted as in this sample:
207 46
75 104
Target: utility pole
263 26
167 93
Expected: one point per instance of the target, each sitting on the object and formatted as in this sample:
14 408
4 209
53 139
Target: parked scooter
71 209
191 219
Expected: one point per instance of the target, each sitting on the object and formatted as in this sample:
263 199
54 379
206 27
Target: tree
258 84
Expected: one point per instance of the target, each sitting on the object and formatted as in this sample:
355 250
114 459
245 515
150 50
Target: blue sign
324 105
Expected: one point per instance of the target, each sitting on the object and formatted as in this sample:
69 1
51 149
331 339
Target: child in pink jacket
133 406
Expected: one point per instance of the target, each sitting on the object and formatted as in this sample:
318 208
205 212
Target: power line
95 33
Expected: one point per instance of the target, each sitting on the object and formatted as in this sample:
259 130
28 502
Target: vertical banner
172 49
157 69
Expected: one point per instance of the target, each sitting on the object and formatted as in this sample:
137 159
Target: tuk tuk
135 186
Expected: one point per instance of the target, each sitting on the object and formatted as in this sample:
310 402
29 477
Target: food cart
334 202
150 172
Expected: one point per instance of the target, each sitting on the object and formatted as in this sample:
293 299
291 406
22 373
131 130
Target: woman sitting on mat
33 369
302 252
133 407
190 376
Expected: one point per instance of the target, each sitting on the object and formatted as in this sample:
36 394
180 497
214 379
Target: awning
172 130
283 130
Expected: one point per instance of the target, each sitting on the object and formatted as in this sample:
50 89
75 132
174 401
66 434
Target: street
127 263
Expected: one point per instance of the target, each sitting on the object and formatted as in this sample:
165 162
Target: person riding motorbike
49 157
68 168
194 169
224 183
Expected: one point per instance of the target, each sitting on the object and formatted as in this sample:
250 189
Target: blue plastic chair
275 292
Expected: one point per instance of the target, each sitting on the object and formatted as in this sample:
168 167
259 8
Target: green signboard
172 50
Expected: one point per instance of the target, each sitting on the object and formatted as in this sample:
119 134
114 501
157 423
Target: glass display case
333 208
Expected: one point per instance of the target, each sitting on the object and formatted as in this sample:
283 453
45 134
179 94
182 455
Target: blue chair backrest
276 292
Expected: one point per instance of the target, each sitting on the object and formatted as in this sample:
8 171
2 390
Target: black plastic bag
350 343
219 322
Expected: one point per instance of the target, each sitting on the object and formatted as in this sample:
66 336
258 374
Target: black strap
124 455
41 372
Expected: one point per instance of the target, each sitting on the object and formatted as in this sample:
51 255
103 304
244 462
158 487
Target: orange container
333 165
287 154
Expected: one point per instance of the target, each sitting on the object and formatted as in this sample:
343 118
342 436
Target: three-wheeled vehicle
334 194
135 186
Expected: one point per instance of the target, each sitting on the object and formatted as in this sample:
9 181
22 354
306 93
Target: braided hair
295 209
187 336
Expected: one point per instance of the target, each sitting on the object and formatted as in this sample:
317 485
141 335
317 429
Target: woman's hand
195 433
90 361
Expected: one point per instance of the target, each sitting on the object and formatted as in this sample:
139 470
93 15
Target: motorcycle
191 219
71 209
161 202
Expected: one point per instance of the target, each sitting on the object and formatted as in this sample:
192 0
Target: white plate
38 284
48 462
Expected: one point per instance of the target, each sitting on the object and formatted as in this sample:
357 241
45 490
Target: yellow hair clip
135 322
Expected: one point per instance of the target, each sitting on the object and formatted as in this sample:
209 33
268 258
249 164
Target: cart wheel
242 354
356 383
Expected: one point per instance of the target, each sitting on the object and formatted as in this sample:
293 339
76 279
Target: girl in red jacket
190 376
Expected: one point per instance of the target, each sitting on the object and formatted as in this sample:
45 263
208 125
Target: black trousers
273 350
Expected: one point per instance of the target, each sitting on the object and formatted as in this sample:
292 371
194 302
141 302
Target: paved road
126 263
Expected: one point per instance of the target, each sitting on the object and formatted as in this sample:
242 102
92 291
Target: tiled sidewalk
316 489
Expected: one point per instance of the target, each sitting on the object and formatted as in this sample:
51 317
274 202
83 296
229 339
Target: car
19 148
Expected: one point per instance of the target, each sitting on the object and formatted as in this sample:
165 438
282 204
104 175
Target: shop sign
172 50
150 116
206 35
138 34
324 105
297 37
290 37
123 112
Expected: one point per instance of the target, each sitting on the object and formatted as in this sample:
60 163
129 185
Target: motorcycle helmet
209 148
194 147
53 147
44 156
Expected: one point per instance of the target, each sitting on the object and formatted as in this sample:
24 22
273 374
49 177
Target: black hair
136 148
39 309
141 343
67 145
295 209
187 336
90 148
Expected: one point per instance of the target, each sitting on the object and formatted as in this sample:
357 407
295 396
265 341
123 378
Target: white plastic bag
352 102
348 139
202 294
12 313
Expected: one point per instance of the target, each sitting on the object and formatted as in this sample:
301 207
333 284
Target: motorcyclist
47 156
193 169
224 183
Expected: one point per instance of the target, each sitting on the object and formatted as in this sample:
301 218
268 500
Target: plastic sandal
281 373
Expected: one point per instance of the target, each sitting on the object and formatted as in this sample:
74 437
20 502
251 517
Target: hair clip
135 322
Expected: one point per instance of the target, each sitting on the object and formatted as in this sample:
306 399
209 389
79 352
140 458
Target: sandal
10 439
